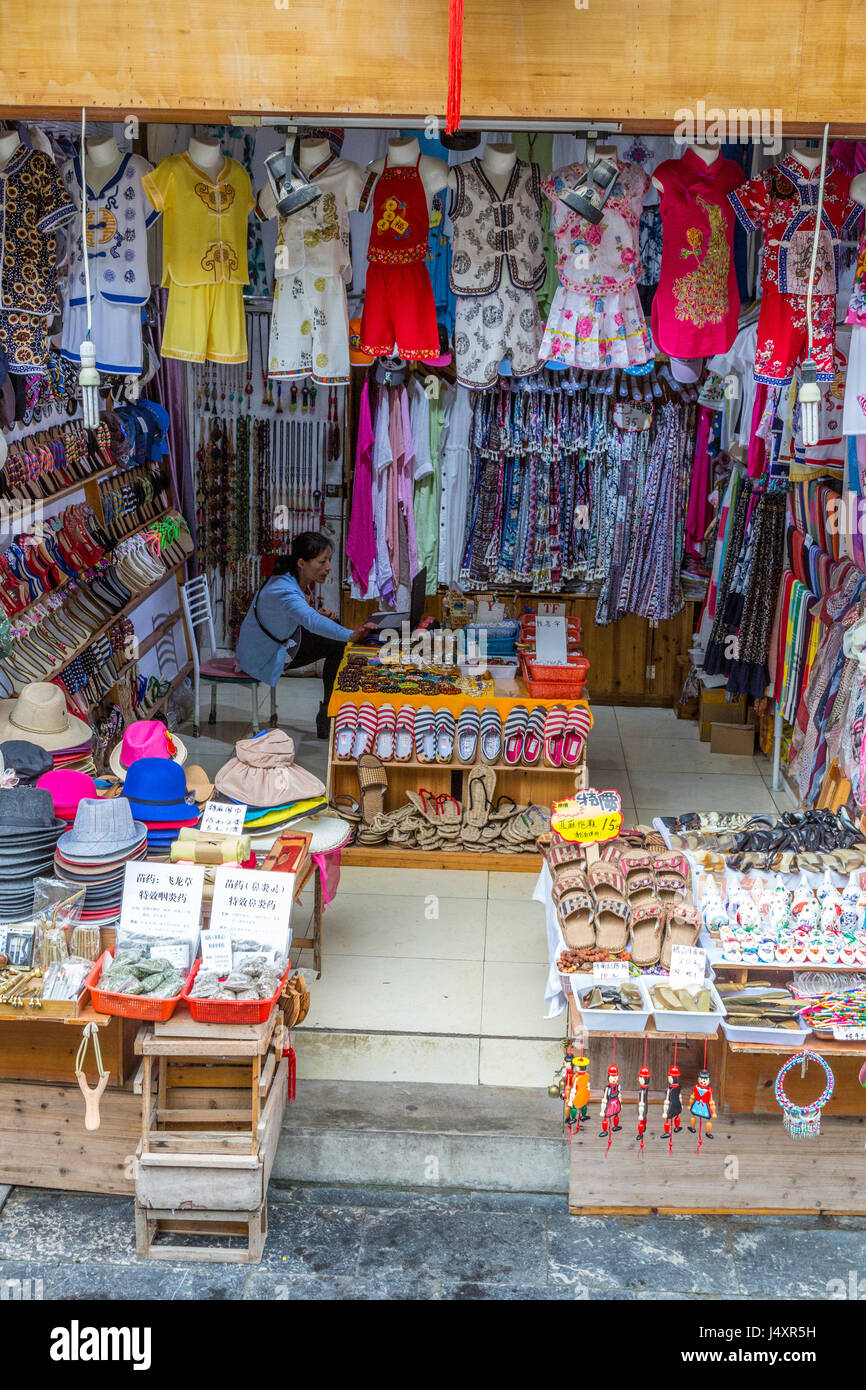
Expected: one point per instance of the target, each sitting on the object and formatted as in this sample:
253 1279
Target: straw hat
39 715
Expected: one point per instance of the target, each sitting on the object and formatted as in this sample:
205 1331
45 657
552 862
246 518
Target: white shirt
455 469
118 216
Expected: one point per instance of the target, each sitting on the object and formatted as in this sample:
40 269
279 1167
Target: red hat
612 1071
674 1071
644 1074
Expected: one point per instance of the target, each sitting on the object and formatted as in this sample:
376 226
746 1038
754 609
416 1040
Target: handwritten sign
588 819
848 1032
609 972
162 900
223 818
253 907
688 967
216 950
551 645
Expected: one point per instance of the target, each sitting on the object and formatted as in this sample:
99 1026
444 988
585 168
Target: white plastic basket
612 1020
685 1021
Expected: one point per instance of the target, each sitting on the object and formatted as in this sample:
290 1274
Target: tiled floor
439 975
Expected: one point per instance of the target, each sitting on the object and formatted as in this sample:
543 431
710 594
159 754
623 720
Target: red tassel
293 1071
455 65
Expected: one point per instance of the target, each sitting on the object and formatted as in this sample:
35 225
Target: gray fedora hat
26 809
102 827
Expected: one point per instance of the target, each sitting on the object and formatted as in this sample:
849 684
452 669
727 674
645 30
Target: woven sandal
642 889
683 927
404 742
445 731
563 852
372 786
569 881
607 880
611 924
425 734
554 735
386 729
647 922
479 795
491 735
505 808
468 729
515 730
365 730
533 739
578 726
575 913
344 730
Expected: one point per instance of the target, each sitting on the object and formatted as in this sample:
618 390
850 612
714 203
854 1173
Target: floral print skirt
597 333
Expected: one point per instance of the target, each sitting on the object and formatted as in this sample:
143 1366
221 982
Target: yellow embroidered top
204 227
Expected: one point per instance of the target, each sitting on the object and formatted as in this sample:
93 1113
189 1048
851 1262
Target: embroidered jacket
33 204
204 240
316 238
118 216
492 232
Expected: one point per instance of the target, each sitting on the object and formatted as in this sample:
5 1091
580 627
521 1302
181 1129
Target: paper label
688 967
551 641
609 972
162 900
223 817
177 953
216 950
849 1032
489 612
253 907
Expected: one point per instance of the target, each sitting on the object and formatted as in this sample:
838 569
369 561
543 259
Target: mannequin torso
810 159
103 161
206 155
312 154
708 153
403 153
9 143
498 163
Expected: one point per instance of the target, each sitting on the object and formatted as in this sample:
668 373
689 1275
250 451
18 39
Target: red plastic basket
574 671
561 687
223 1010
129 1005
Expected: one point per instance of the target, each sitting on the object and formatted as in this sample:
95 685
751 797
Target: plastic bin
611 1020
739 1033
224 1011
684 1021
141 1006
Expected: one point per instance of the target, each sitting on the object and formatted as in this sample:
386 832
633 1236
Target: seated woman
283 630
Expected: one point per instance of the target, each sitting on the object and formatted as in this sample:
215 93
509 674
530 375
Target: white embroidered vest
492 233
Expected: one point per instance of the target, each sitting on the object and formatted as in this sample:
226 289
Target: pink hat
147 738
67 788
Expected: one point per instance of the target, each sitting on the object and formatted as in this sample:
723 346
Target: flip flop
344 730
533 739
575 913
479 795
445 731
491 735
515 729
468 729
647 921
372 786
425 734
365 732
683 929
554 735
347 807
386 729
576 729
404 742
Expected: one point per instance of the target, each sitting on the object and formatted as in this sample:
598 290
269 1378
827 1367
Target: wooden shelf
825 1047
467 767
77 486
398 857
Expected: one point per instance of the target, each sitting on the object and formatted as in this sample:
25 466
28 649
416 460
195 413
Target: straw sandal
647 922
610 879
575 913
569 881
372 786
562 852
683 929
479 795
611 920
347 807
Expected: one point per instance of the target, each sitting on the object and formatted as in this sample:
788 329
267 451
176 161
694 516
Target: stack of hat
264 776
147 738
157 792
39 716
29 831
27 760
67 789
94 853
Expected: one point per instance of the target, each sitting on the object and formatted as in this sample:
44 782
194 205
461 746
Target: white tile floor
439 975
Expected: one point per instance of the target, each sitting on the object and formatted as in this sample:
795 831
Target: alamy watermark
714 126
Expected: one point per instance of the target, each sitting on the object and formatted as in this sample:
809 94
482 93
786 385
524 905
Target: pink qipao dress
697 304
596 320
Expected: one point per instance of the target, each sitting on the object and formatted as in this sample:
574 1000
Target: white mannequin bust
103 160
497 161
343 174
9 142
858 189
708 153
810 159
404 152
206 155
313 153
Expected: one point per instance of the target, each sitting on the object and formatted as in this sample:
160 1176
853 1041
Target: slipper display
647 922
372 785
479 795
345 726
612 916
575 911
425 734
365 730
533 738
404 742
554 735
512 738
445 731
468 729
386 730
683 927
577 727
491 735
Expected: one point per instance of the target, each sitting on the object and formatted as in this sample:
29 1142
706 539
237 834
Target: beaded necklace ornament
803 1121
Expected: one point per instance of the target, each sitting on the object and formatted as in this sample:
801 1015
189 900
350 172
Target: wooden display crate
151 1223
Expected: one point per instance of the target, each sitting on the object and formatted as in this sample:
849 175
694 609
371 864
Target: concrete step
481 1138
333 1054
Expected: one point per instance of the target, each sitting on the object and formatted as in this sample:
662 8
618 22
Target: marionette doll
702 1105
643 1081
611 1103
673 1106
576 1095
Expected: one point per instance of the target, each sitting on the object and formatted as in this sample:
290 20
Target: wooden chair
216 670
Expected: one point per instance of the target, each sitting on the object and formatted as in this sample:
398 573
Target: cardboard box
715 708
735 739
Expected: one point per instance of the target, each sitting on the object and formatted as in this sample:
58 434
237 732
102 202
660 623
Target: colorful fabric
33 204
492 233
783 336
309 329
205 323
490 327
596 331
401 220
118 216
399 310
360 538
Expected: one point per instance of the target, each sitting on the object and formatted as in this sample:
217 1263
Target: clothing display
399 310
497 263
204 257
695 309
34 204
596 319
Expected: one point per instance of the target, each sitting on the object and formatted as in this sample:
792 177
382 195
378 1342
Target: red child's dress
399 307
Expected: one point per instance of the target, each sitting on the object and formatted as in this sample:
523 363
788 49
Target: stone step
327 1054
483 1138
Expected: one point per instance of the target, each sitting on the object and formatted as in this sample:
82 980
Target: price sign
162 900
609 972
223 818
178 952
584 821
254 908
489 612
551 646
216 950
849 1032
548 609
688 967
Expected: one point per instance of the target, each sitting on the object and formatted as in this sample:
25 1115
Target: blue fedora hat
156 790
